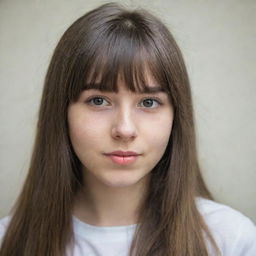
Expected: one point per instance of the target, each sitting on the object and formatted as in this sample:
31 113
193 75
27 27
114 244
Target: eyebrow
152 90
147 89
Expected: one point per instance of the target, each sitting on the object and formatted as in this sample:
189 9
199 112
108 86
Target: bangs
118 53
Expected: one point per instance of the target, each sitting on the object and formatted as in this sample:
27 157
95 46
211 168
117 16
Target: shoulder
234 232
3 226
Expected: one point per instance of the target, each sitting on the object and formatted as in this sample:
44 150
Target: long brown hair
105 42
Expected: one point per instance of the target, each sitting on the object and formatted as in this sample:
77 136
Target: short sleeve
245 243
3 226
234 232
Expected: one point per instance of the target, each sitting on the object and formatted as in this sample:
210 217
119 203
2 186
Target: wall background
218 40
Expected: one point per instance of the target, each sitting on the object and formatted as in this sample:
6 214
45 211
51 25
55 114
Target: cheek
85 130
160 140
160 128
157 135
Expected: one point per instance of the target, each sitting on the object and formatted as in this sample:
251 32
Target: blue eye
148 103
151 103
97 101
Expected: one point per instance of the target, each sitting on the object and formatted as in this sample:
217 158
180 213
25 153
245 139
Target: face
120 137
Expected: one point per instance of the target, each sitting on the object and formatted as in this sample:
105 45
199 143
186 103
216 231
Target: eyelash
90 100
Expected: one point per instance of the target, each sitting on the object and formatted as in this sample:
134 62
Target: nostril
123 133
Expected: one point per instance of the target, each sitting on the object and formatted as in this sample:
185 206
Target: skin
123 121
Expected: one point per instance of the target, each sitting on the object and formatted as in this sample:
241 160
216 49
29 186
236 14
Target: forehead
146 85
138 75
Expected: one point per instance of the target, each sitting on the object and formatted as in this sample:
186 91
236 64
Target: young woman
114 169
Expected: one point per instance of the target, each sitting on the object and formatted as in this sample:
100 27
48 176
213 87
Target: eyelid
93 97
152 98
155 99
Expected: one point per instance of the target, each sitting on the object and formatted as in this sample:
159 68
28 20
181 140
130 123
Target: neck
101 205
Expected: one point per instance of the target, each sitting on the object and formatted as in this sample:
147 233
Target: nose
124 127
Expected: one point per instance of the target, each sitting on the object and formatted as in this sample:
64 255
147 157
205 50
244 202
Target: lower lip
122 160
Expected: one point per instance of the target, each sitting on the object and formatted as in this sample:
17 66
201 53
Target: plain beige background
218 40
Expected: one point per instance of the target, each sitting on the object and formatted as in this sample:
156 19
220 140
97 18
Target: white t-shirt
234 233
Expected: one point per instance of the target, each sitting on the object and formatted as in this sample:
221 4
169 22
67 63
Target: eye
151 103
97 101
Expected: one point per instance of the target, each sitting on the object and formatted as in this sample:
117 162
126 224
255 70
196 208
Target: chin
124 181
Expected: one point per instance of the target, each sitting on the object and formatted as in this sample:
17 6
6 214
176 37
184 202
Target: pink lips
123 157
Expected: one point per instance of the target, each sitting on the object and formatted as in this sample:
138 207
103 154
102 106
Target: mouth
123 157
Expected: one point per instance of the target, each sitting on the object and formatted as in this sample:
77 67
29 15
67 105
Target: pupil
148 102
97 101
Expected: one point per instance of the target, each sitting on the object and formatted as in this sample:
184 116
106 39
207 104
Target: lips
123 157
123 153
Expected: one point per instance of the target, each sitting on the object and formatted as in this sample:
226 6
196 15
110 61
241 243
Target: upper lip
123 153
